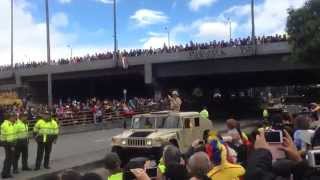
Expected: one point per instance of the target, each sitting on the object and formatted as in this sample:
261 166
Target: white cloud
214 30
155 40
29 35
270 15
239 10
270 18
105 1
60 19
145 17
195 5
65 1
203 30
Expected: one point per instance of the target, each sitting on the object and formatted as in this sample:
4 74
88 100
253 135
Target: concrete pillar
18 80
92 88
148 77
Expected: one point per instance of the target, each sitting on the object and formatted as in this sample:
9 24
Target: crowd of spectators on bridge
191 46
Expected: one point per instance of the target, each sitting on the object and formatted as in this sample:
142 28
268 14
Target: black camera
274 136
313 157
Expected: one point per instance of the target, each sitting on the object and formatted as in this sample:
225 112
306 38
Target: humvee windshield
158 122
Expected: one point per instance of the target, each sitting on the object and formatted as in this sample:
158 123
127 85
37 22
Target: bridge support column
148 80
154 89
18 80
92 88
148 73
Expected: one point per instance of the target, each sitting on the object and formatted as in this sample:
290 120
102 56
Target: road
71 150
77 149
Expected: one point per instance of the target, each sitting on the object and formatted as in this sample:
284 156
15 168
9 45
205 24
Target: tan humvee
148 133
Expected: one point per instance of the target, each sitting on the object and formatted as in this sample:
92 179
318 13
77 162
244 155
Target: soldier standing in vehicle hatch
175 101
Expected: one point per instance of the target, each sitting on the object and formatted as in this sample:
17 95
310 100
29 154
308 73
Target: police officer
112 163
265 115
22 133
46 132
8 139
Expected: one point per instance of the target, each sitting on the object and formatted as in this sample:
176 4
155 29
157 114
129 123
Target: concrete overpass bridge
231 66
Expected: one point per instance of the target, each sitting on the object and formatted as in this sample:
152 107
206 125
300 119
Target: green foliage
303 27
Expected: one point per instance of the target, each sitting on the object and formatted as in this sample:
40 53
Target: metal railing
86 117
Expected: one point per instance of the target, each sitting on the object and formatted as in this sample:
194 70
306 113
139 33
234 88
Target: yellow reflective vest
118 176
265 113
21 129
161 166
46 129
205 114
8 134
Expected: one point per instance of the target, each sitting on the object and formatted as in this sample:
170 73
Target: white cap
175 93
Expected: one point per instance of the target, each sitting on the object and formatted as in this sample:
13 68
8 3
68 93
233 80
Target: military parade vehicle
149 132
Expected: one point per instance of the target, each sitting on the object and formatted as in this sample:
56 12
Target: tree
303 27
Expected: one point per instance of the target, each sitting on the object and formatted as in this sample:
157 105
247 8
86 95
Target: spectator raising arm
260 161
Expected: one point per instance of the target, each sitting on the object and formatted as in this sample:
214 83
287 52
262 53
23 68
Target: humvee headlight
149 142
124 142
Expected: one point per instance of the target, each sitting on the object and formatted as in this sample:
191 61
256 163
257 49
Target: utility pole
115 57
69 46
48 55
230 29
253 35
12 35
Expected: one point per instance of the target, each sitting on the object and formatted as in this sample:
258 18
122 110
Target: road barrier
86 117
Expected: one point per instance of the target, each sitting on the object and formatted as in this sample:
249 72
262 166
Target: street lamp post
115 32
48 55
253 35
168 33
230 29
12 34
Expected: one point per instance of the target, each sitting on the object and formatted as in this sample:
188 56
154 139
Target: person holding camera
262 166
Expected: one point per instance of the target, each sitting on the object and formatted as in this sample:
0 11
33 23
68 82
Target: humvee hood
147 134
162 133
141 134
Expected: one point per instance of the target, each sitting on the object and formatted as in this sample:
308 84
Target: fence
86 117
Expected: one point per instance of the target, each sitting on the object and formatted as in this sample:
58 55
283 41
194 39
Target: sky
86 26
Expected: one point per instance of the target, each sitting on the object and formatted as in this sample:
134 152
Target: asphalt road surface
77 149
71 150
